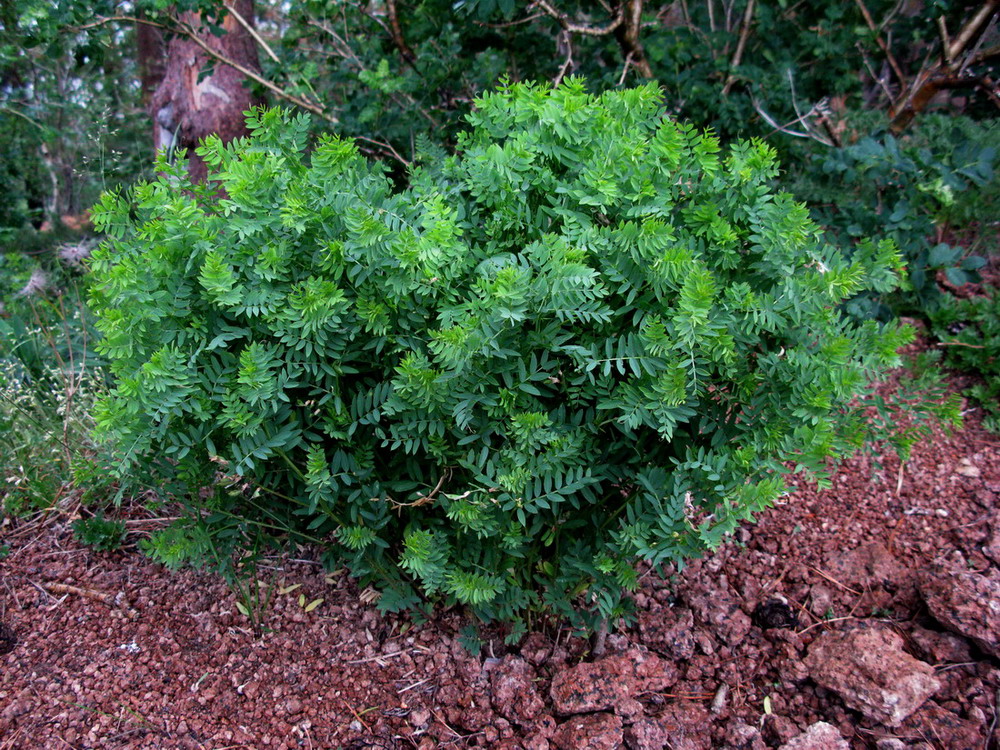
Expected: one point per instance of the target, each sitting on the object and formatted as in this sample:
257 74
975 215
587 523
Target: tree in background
197 94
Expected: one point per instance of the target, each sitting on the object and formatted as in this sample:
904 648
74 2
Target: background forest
882 114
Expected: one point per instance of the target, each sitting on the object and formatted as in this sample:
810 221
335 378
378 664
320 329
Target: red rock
721 610
780 729
513 692
679 727
867 565
592 732
965 602
536 648
992 547
941 648
870 671
605 684
819 736
742 736
934 721
670 635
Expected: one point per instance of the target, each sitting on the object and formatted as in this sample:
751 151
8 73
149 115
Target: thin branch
974 57
396 32
252 32
625 67
880 80
960 42
21 114
574 28
388 149
508 24
274 88
945 41
786 128
189 32
959 343
348 52
740 46
930 81
881 42
567 39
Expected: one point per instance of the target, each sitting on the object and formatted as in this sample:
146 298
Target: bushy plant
969 333
99 532
589 337
905 189
49 379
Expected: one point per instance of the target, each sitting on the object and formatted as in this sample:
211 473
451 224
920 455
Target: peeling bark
189 103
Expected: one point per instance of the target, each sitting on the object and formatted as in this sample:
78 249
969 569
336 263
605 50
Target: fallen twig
381 656
835 581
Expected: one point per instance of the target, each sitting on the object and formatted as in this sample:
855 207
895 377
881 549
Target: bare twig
625 67
508 24
388 149
396 32
740 47
969 31
252 32
880 80
567 41
881 42
945 40
381 656
950 73
996 717
786 128
576 28
429 497
188 31
834 581
959 343
825 622
347 52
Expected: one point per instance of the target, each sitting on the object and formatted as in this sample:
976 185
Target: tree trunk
199 96
151 57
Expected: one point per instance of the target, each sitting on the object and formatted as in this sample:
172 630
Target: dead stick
65 588
740 46
960 42
397 33
881 42
191 34
252 32
835 581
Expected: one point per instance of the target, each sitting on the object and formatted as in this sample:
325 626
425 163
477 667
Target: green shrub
903 190
589 337
969 333
99 533
49 380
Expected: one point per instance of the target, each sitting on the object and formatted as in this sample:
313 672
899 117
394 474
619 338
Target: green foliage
969 332
902 190
591 336
99 533
49 380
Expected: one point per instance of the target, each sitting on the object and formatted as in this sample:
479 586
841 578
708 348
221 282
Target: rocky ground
864 616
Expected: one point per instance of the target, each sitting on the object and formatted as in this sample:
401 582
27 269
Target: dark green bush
969 334
904 190
99 532
587 338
